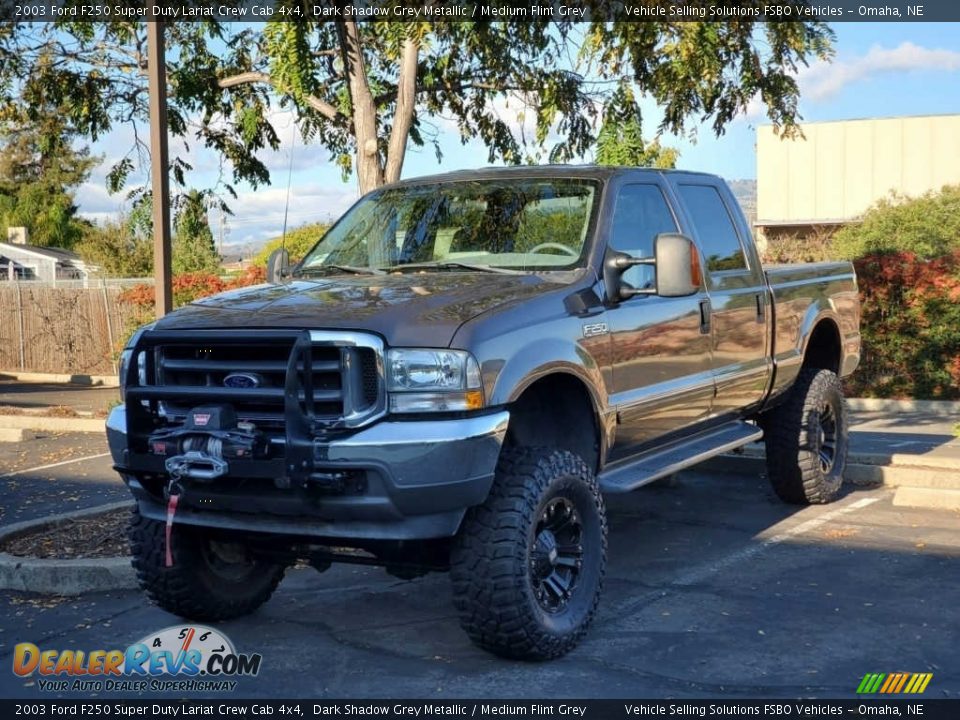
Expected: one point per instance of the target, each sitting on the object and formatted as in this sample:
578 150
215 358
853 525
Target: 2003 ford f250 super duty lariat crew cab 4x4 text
455 374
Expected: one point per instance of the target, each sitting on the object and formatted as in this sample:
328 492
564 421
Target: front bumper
420 476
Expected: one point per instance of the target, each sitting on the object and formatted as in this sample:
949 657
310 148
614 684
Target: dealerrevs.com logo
176 659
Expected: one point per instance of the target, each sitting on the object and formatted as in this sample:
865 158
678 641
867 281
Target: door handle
761 308
705 311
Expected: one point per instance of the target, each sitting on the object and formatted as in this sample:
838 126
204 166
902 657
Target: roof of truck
599 172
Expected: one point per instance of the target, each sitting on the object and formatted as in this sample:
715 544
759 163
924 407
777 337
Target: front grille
249 371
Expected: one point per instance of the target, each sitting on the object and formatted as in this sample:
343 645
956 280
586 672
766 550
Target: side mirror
675 261
278 265
678 265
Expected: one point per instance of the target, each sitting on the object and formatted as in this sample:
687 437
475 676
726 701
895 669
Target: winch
209 438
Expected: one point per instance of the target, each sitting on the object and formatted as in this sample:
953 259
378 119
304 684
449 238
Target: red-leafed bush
910 326
253 275
186 288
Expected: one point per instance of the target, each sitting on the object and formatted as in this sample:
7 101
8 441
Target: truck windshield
524 224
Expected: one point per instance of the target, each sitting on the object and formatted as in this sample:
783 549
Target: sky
879 70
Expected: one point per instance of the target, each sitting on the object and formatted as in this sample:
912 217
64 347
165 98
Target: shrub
910 326
186 288
928 226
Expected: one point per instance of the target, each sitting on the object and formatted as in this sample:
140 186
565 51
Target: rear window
714 227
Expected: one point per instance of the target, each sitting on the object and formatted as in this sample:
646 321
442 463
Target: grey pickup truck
454 376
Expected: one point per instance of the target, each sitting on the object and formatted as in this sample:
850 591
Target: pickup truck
453 377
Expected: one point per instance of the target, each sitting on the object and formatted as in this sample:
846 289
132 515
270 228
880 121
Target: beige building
832 175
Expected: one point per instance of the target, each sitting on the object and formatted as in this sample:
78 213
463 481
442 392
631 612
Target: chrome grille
249 371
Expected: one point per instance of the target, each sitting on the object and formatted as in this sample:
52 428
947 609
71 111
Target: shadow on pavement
714 589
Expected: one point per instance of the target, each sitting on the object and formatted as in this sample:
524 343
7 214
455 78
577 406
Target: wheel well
823 348
556 411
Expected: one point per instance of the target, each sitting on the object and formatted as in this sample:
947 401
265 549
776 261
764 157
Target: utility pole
159 165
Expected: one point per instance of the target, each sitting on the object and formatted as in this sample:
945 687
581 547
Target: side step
635 472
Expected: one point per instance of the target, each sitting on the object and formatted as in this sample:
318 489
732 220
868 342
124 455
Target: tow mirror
676 264
278 265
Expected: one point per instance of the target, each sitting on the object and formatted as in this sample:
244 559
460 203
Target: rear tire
211 578
528 564
806 439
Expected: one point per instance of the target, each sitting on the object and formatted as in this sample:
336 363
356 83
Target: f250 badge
594 329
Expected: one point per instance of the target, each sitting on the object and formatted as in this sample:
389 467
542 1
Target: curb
927 498
863 469
63 577
12 435
931 407
57 378
51 424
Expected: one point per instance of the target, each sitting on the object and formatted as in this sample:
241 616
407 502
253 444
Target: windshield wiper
353 269
453 265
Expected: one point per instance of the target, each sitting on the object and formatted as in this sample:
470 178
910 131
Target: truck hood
418 309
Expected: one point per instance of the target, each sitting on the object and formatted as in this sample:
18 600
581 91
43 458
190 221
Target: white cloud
258 214
822 80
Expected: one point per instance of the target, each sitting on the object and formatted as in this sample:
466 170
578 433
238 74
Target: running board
632 473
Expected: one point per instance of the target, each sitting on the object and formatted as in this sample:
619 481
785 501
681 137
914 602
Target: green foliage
39 171
344 78
928 226
298 242
193 246
118 249
910 326
620 140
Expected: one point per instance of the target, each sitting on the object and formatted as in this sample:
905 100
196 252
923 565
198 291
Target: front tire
528 564
806 439
211 578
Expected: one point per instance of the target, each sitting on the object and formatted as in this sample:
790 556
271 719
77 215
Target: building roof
52 253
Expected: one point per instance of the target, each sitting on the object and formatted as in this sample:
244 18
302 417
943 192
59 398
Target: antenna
286 207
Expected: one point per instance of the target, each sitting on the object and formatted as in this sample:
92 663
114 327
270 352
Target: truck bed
802 295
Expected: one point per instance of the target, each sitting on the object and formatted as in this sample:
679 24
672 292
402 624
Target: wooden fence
65 328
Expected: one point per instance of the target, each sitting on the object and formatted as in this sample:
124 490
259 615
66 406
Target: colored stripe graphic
865 683
915 681
894 683
903 681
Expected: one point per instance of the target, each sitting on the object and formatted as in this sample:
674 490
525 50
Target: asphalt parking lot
714 589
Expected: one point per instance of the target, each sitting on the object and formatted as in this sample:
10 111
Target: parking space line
702 573
705 571
52 465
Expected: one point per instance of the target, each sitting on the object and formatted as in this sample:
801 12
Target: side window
714 227
640 214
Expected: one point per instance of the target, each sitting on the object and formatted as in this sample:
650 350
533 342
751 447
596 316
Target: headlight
127 355
421 380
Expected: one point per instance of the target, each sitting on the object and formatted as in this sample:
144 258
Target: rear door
739 314
662 376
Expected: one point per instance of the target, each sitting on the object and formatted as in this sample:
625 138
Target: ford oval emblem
242 380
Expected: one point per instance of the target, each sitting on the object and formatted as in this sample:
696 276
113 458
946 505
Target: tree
122 247
39 172
620 140
298 242
367 90
193 247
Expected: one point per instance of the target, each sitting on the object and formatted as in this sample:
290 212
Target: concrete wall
841 168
